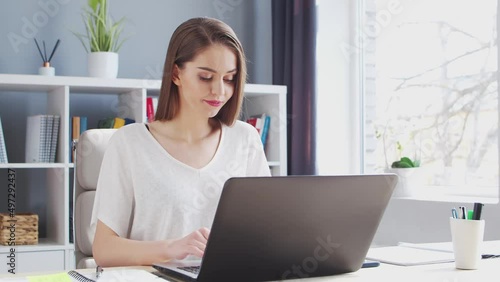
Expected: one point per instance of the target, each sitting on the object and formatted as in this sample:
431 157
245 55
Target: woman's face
207 82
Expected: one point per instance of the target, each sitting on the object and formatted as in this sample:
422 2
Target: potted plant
101 40
408 174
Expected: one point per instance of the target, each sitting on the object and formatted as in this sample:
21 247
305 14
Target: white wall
149 26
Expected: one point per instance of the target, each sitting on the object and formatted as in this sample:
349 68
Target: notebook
274 228
108 275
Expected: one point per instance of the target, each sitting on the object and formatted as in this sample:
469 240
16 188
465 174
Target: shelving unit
53 181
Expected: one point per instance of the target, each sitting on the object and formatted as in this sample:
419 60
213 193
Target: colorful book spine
265 130
75 134
119 122
106 123
261 123
150 112
83 124
129 121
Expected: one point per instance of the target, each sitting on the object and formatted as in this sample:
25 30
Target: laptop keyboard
192 269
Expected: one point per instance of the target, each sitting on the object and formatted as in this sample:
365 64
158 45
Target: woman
160 183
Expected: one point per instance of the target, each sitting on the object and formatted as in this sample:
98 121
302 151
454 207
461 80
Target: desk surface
442 272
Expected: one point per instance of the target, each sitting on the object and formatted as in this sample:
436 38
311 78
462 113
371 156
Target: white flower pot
103 64
409 182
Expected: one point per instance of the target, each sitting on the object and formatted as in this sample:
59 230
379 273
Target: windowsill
486 195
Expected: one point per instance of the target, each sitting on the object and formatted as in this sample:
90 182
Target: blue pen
454 213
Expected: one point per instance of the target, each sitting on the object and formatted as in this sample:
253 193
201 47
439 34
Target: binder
54 138
36 141
48 138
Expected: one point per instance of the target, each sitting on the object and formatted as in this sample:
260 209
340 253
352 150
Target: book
265 130
83 124
261 123
106 123
129 121
150 112
3 149
119 122
54 138
36 141
75 134
48 138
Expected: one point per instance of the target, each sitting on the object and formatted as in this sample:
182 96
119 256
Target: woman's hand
193 244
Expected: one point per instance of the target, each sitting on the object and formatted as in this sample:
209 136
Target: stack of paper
406 256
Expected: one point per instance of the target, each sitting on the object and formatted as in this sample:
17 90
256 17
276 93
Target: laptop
284 227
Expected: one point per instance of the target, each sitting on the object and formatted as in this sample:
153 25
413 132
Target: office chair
89 153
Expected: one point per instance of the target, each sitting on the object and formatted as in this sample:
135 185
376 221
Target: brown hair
188 40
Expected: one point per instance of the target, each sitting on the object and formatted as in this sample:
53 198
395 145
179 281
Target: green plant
405 162
102 33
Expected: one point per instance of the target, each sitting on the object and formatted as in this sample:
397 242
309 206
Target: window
427 74
431 90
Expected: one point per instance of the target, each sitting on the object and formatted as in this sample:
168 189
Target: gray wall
149 26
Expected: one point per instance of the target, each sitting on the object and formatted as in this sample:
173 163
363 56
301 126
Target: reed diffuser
46 69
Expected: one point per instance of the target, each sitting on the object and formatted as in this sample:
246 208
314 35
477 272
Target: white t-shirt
143 193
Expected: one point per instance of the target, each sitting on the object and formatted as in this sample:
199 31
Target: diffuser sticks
45 59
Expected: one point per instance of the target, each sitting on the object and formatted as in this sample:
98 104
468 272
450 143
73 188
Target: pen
463 212
478 207
470 214
454 213
98 272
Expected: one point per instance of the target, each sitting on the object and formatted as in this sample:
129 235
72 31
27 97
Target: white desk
445 272
489 270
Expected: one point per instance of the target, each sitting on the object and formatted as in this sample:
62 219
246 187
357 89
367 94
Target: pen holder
467 238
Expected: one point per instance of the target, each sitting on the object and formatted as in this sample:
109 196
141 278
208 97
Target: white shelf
131 97
32 165
43 245
18 82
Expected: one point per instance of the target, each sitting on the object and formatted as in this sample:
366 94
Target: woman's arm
109 249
